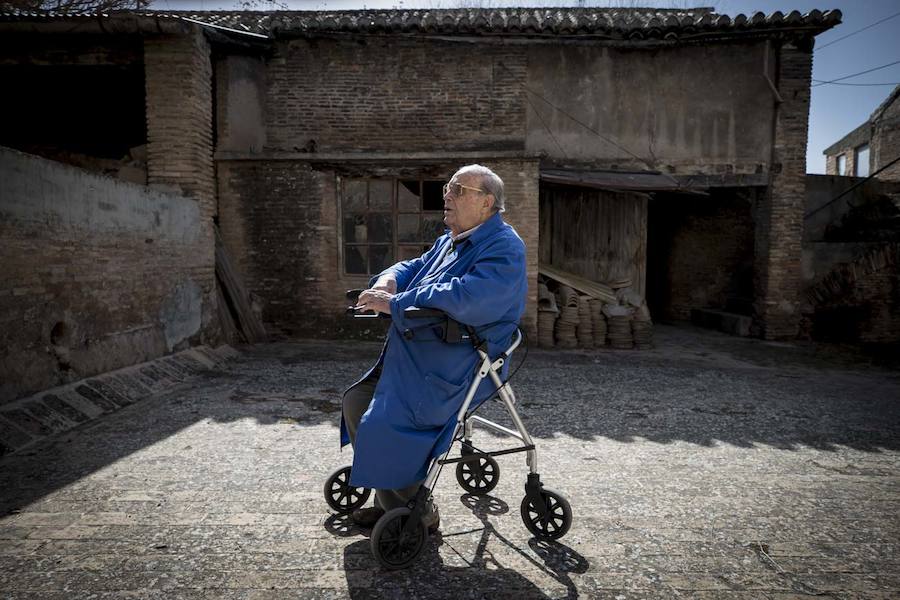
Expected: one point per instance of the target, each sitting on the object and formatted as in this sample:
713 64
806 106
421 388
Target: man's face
466 208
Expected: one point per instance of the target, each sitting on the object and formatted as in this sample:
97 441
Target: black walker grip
414 312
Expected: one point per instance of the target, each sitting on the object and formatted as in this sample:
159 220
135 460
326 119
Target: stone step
720 320
25 421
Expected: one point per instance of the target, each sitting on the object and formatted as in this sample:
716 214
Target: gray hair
490 182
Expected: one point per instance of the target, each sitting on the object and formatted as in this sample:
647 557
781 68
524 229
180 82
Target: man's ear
490 201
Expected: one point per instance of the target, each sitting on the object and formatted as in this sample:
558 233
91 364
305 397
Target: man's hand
386 283
378 300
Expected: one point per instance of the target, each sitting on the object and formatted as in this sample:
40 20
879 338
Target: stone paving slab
711 467
29 420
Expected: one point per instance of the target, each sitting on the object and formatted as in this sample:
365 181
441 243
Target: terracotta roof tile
619 23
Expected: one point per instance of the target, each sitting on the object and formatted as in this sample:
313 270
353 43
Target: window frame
841 164
395 211
856 162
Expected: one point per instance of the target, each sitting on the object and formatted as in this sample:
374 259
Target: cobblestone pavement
710 467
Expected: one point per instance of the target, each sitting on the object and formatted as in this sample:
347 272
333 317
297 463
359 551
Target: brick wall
276 220
831 163
886 142
779 218
380 94
178 78
279 222
521 179
859 300
700 253
97 274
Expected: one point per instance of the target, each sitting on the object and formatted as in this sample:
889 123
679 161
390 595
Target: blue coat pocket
440 401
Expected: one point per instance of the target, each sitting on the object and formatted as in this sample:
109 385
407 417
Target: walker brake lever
361 312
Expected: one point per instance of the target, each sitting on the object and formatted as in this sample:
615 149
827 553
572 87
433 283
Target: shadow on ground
481 573
693 388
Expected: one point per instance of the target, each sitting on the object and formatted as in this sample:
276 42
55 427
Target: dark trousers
356 402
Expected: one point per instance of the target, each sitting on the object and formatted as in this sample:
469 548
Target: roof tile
613 22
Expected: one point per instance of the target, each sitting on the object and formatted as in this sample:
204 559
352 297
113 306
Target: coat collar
482 231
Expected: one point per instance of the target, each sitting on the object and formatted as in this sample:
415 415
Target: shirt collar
465 233
479 232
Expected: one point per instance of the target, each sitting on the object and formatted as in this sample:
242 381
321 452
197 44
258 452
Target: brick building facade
871 146
317 140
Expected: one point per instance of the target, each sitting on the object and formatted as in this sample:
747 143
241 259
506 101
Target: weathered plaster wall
96 274
179 96
688 109
240 104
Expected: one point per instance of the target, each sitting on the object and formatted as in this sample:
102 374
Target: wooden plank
233 288
230 329
593 289
597 235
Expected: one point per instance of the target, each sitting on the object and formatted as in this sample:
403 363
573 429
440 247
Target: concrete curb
28 420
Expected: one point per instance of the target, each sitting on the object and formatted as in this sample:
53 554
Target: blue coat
410 421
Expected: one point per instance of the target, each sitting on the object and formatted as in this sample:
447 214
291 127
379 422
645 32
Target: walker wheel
478 476
390 546
555 522
340 495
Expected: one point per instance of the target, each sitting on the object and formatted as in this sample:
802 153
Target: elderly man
402 413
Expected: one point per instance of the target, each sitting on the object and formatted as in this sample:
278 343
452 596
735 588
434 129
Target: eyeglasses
456 189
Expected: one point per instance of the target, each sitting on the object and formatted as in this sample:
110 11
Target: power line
856 74
856 84
850 189
544 123
857 31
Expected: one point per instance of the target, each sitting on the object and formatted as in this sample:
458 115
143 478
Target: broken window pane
408 196
381 257
433 195
408 228
380 228
380 194
432 227
354 195
355 260
355 229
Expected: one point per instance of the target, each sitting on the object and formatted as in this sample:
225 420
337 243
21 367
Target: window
388 220
842 164
861 164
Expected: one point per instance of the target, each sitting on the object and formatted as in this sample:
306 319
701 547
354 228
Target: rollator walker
399 536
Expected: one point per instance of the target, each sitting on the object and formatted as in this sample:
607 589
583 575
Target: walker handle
356 313
414 312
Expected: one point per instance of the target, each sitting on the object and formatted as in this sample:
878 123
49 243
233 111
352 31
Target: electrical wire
854 84
856 74
547 127
850 189
832 42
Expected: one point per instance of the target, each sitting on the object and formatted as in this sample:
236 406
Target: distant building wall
97 274
851 261
886 142
693 109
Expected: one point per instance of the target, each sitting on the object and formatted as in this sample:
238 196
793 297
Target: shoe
367 517
433 520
